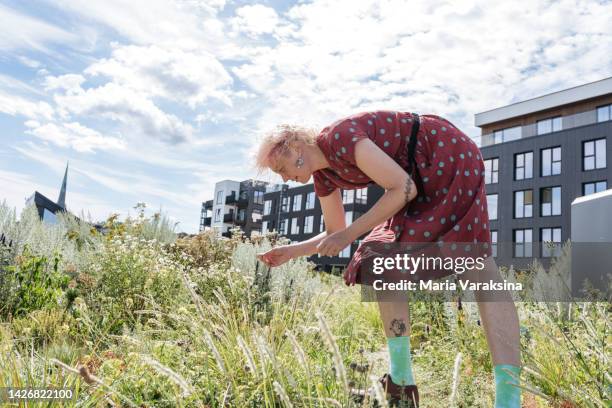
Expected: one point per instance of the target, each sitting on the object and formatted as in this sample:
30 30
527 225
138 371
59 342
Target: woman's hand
277 256
333 244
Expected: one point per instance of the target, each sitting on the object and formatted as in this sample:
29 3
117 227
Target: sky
154 101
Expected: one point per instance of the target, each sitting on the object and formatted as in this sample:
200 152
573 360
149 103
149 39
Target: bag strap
412 144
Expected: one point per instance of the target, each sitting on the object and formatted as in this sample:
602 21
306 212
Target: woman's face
287 166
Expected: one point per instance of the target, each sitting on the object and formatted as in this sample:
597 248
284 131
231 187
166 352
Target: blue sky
154 101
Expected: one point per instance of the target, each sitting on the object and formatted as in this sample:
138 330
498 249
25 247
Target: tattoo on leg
408 189
398 327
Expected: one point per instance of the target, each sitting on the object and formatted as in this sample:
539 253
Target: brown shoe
406 396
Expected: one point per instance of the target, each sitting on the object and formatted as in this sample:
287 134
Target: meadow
138 317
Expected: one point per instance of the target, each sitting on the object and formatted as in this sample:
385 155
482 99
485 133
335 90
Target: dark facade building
47 208
296 213
540 154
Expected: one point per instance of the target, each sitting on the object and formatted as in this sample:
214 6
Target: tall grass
150 320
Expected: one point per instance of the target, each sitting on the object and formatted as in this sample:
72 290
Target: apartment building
540 154
234 204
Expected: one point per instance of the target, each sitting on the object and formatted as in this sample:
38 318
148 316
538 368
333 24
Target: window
218 215
594 187
549 125
494 243
506 135
295 228
285 204
492 206
283 227
258 197
551 161
308 221
348 196
267 207
220 197
348 218
361 196
523 239
604 113
550 201
346 252
523 166
241 214
310 200
297 202
491 170
523 204
264 227
551 241
594 154
321 224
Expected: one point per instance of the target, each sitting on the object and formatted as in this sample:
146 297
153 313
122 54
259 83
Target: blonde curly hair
278 142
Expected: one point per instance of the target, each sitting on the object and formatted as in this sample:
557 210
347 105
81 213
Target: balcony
229 217
243 201
523 132
230 199
206 221
208 205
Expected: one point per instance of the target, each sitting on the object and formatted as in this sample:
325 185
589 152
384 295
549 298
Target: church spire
61 201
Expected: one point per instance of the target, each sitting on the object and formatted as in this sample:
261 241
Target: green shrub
33 283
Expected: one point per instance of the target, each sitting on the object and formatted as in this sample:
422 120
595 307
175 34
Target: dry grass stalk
248 354
186 389
282 394
333 346
455 380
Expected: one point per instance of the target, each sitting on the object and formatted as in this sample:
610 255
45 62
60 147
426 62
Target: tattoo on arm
408 189
398 327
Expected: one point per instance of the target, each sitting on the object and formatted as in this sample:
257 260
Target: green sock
507 395
400 360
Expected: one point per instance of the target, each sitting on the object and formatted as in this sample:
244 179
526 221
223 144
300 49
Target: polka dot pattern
449 207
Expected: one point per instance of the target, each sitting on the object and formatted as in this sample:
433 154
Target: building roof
42 201
552 100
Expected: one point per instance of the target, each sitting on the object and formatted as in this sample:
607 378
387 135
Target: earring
299 162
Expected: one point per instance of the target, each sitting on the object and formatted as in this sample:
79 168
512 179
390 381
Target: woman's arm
399 190
333 214
384 171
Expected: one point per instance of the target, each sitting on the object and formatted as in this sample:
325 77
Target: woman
433 178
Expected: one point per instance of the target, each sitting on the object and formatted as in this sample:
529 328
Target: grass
146 319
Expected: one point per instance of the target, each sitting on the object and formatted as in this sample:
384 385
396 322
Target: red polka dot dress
451 203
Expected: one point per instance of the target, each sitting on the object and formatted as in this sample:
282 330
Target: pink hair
277 143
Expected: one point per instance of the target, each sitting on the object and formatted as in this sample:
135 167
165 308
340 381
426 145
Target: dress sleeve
322 185
343 138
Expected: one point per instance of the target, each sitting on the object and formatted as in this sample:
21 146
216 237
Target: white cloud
15 105
132 109
74 135
337 57
22 31
190 76
28 62
255 20
70 83
152 21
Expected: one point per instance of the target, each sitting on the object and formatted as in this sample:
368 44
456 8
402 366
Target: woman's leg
501 325
498 315
395 316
